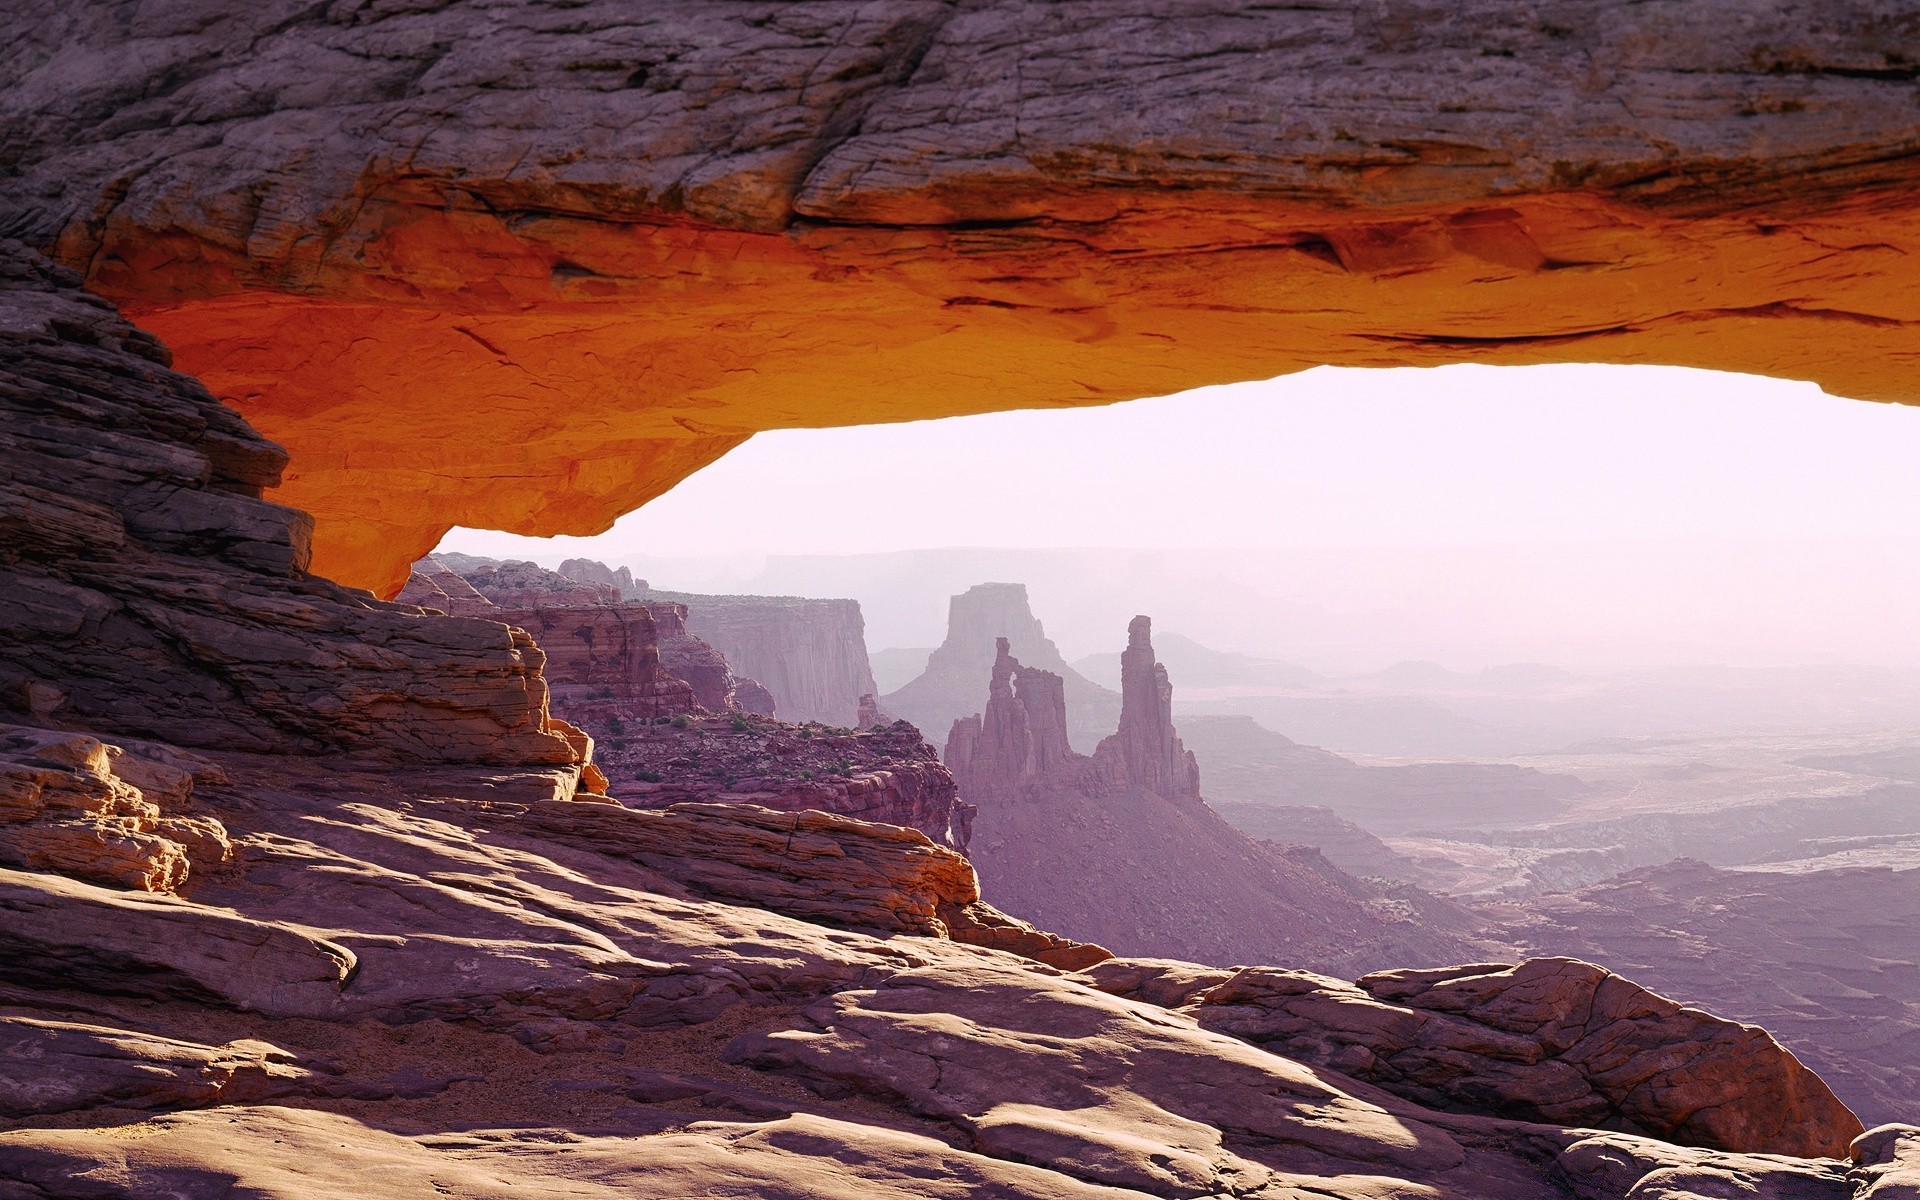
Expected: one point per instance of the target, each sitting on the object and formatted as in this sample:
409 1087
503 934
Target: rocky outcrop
511 969
810 655
609 651
601 651
51 1067
525 585
147 590
1819 959
65 807
1550 1040
1153 874
946 190
1887 1163
693 659
588 570
814 865
432 584
888 774
1146 752
977 620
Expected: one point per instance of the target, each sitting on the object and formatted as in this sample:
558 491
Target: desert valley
341 857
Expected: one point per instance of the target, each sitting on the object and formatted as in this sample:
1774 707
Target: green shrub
739 723
680 722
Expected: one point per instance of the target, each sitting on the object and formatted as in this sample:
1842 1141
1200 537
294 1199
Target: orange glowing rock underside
547 378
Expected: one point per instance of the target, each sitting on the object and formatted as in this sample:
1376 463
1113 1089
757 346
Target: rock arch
525 268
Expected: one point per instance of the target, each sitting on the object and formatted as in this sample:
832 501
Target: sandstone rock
1552 1040
604 650
56 1067
752 696
64 807
1146 752
1154 874
888 775
977 620
433 585
60 933
1887 1163
812 865
527 594
290 1154
947 189
1816 959
810 655
587 570
140 570
690 658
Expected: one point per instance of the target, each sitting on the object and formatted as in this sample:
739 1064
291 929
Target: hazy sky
1331 457
1586 515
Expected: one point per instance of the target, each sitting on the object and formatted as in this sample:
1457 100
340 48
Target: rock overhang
521 269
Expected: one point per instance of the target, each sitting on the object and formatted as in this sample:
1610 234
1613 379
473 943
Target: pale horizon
1596 517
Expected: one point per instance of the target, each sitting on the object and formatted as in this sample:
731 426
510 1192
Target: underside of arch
527 275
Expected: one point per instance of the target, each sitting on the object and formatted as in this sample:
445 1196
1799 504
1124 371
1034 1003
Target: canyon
1155 871
345 969
330 867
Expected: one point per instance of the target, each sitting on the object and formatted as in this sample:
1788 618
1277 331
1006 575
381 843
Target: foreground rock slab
1554 1040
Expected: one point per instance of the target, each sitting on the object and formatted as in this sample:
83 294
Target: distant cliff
976 619
811 655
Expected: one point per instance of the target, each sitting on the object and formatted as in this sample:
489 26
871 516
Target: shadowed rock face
587 250
146 589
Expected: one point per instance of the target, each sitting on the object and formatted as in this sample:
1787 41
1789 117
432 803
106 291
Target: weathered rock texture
404 239
702 1000
601 639
146 589
818 866
888 774
65 807
606 650
1087 845
587 570
1145 752
1551 1039
978 619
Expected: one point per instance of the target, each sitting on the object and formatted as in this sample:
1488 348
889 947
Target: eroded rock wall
810 655
147 589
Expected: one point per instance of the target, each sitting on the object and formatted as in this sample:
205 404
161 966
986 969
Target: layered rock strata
1555 1040
605 651
811 655
606 1002
146 589
977 620
1161 874
528 594
1821 959
888 774
686 220
68 805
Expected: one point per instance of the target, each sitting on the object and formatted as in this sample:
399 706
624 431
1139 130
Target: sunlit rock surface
503 265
